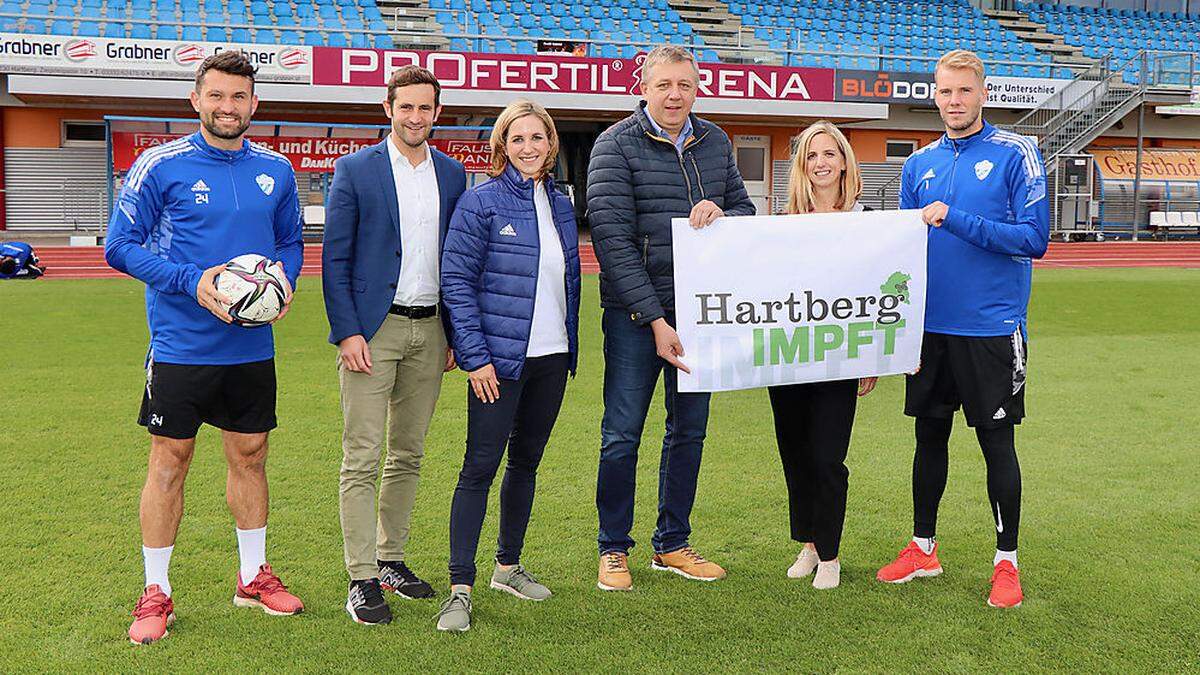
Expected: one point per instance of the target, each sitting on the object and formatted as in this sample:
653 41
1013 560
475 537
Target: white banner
766 300
149 59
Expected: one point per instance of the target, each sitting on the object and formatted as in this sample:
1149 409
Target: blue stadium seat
166 32
338 40
289 37
61 27
313 38
265 36
112 29
240 35
140 31
88 29
193 33
459 45
215 34
384 42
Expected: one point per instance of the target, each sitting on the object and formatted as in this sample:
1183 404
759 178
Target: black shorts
985 375
179 398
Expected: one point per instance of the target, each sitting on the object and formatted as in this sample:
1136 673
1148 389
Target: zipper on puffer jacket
699 180
645 249
687 179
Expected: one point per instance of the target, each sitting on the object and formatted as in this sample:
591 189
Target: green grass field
1110 558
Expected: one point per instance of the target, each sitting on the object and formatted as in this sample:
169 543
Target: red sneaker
152 615
1006 586
267 592
910 564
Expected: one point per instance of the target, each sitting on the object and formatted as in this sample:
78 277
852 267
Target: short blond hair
800 189
499 139
961 59
668 54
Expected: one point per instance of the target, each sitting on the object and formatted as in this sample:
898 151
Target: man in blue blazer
386 218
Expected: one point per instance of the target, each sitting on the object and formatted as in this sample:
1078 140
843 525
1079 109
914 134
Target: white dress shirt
548 333
417 201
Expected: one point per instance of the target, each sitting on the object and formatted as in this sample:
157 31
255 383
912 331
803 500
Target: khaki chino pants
407 360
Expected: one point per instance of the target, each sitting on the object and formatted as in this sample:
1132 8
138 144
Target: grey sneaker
519 582
455 614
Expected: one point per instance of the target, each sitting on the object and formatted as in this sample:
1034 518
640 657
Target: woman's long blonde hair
515 111
800 189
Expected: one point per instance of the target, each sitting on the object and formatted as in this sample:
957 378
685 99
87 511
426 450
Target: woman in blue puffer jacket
510 280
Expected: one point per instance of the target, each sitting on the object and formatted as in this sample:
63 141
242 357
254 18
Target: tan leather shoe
687 563
614 572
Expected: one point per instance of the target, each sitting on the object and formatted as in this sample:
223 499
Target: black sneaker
395 576
365 603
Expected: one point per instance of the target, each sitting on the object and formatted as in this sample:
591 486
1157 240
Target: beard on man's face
211 124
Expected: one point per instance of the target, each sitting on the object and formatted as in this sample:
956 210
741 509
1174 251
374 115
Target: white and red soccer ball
256 288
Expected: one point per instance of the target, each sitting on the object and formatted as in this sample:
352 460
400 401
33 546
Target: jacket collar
521 185
699 128
960 144
217 153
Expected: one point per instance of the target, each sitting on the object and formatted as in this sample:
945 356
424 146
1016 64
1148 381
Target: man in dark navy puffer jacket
659 163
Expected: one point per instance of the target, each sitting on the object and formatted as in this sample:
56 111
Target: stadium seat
140 31
166 32
215 34
112 29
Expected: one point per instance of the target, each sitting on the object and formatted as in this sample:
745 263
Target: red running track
87 262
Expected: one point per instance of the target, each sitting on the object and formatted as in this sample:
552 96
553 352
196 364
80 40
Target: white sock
252 551
157 561
1010 556
925 544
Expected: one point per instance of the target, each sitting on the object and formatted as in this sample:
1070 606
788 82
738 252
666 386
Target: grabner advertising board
149 59
766 300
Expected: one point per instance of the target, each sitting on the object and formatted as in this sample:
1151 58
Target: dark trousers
520 419
631 370
812 427
931 465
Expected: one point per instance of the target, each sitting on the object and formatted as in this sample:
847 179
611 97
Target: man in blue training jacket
186 208
983 193
18 261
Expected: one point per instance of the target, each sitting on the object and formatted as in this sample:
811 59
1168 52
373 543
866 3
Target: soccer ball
255 288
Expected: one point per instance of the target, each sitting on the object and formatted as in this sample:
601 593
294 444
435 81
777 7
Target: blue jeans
521 420
631 370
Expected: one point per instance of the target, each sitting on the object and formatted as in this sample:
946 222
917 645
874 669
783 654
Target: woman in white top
510 281
813 421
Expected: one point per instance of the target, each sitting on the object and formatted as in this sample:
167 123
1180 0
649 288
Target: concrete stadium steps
87 262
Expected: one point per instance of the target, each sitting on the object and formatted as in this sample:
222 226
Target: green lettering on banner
759 358
826 339
785 350
860 336
889 336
